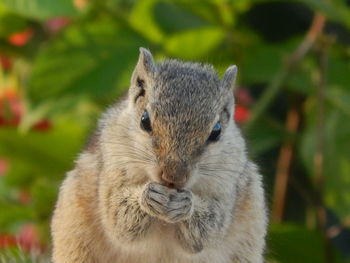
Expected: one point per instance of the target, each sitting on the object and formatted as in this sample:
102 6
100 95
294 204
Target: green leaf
41 9
12 212
264 136
300 80
11 23
38 162
332 9
44 194
263 61
206 9
194 44
143 21
336 148
338 72
291 244
339 98
93 59
167 17
18 255
30 157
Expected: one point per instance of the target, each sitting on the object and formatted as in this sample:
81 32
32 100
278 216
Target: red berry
11 108
28 238
43 125
242 114
3 167
5 62
10 93
20 38
7 241
56 24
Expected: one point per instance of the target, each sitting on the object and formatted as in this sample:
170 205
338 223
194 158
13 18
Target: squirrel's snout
174 178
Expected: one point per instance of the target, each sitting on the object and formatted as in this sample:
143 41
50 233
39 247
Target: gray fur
119 204
170 205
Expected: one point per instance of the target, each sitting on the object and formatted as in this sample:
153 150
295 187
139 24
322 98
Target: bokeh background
64 61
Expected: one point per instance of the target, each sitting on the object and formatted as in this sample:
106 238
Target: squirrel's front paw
165 203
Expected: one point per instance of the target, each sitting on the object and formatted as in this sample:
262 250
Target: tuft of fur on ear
143 75
228 83
229 78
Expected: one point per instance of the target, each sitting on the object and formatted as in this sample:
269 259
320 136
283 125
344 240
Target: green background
69 77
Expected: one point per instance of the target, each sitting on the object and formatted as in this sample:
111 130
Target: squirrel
165 177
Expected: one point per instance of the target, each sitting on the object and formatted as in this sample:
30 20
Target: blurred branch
319 179
277 82
283 166
319 151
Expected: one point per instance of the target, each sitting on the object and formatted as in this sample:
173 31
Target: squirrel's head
182 111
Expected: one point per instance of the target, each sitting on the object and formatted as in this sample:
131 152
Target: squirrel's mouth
170 185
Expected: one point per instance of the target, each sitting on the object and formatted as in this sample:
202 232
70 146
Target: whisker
131 149
133 157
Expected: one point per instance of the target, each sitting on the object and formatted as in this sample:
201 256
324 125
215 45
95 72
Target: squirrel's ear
229 79
143 74
228 83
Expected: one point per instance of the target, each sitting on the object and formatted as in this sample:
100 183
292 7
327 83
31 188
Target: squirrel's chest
159 246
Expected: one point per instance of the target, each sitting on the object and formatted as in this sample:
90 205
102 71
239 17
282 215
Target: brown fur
116 205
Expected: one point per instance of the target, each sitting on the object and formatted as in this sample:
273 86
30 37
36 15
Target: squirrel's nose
173 180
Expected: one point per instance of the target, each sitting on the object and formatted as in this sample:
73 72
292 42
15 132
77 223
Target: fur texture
166 195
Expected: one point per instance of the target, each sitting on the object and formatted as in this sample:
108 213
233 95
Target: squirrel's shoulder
93 139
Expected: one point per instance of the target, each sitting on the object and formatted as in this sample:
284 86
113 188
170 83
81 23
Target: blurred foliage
17 255
63 62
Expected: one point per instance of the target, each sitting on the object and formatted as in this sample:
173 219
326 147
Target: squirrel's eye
146 122
215 133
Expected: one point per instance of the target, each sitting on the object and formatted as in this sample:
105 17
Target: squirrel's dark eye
146 122
215 133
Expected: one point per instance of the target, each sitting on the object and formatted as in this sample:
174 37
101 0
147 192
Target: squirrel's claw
168 204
